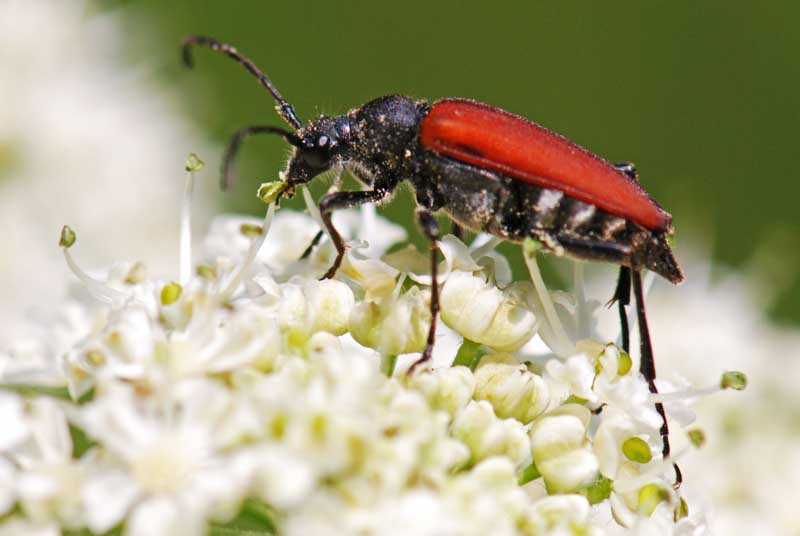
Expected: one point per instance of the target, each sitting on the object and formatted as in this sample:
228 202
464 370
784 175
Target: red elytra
491 138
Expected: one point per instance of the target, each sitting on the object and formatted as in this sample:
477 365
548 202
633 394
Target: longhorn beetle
488 170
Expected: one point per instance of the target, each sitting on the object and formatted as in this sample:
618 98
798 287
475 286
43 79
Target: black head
320 146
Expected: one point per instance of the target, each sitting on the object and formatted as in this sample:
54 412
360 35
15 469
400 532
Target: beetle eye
316 157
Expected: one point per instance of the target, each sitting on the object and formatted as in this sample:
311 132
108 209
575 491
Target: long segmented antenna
228 160
284 109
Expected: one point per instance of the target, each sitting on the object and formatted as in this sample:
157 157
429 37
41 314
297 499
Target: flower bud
483 313
330 303
392 325
315 306
513 391
560 451
567 512
486 435
448 389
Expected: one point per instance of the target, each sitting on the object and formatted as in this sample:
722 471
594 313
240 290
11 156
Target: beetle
488 170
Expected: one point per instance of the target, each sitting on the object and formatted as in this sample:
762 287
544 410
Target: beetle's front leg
335 187
338 200
427 221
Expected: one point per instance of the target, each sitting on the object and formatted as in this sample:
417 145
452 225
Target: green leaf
59 391
254 519
637 450
116 531
469 354
81 442
388 363
529 474
531 246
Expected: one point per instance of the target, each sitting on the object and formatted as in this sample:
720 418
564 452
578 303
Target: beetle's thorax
384 135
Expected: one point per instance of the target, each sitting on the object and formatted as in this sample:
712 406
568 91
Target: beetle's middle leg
339 200
427 221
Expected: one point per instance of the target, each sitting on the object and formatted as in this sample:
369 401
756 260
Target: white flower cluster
251 397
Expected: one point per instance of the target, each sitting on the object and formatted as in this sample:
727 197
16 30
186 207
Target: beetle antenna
229 159
284 109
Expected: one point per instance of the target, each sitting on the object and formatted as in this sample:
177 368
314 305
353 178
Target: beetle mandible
488 170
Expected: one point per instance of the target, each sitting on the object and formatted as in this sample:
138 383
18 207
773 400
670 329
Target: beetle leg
312 245
335 187
340 200
427 221
622 295
628 169
647 367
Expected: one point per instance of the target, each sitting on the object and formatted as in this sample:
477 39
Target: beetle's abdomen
483 200
493 139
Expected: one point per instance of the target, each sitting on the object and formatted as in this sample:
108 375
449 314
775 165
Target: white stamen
583 313
689 394
313 209
368 216
255 246
185 259
398 287
562 340
98 289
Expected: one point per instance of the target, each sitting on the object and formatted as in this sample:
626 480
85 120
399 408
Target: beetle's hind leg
647 367
427 221
622 296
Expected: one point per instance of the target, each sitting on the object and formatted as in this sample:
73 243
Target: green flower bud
513 391
67 237
734 380
392 326
193 163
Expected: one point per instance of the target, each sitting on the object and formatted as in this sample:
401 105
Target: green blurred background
702 96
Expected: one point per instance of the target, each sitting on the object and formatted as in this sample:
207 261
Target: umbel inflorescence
249 397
